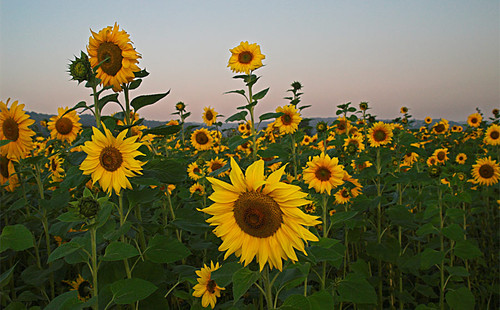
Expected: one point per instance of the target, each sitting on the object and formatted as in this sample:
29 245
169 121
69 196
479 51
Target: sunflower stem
325 235
122 237
294 156
93 242
97 109
268 288
441 239
252 120
127 108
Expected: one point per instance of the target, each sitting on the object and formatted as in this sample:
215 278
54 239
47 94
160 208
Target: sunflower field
274 212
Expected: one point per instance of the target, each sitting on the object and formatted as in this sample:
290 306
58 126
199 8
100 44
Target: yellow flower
197 188
110 160
8 173
82 286
245 58
342 125
112 48
474 120
441 127
201 139
461 158
354 144
323 173
55 168
64 127
492 136
342 196
206 288
215 164
410 158
14 126
441 155
380 134
431 161
403 110
259 217
289 122
428 120
209 116
194 171
486 171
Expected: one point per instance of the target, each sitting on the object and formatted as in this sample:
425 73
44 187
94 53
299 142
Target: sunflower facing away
289 121
323 173
8 173
492 136
112 48
201 139
14 126
245 58
259 217
486 171
111 160
209 116
82 286
64 127
380 134
206 288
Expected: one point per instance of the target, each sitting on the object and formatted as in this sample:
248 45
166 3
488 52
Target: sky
438 58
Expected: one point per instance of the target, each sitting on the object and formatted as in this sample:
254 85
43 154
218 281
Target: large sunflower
206 288
380 134
259 217
111 160
8 173
289 121
486 171
201 139
323 173
112 48
14 126
492 136
474 120
64 127
209 116
245 58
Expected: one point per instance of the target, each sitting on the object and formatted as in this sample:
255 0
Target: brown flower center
345 193
64 125
439 128
10 129
211 285
111 158
257 214
379 135
215 166
441 155
53 164
113 54
84 289
286 119
486 171
209 116
323 174
494 135
341 126
4 167
201 138
245 57
474 120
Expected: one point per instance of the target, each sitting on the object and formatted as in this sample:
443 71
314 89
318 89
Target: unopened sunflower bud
88 207
80 69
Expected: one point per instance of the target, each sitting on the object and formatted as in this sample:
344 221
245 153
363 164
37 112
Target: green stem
268 289
127 106
97 110
325 235
294 157
93 240
441 239
122 237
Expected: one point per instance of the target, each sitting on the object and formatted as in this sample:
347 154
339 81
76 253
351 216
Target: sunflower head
88 207
82 286
323 173
14 126
380 134
180 106
403 110
428 120
209 116
202 140
80 69
245 58
486 171
296 86
474 120
363 106
289 121
207 288
492 136
321 126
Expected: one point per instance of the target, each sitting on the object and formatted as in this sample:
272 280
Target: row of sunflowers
353 214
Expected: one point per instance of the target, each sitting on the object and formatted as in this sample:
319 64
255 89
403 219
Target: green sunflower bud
363 106
296 85
180 106
434 171
80 69
88 207
321 127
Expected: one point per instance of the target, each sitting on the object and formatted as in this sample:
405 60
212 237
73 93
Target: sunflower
360 166
431 161
380 134
215 164
342 196
64 127
209 116
354 144
206 287
306 140
111 160
441 155
461 158
323 173
342 125
410 158
474 120
428 120
82 286
492 136
54 166
441 127
201 139
403 110
112 48
14 126
198 189
8 173
486 171
289 121
194 171
245 58
259 217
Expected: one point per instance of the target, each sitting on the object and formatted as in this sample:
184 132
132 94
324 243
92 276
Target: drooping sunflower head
207 288
474 120
492 136
8 174
14 126
323 173
209 116
245 58
65 126
259 217
82 286
288 122
380 134
110 160
112 49
201 139
486 171
55 168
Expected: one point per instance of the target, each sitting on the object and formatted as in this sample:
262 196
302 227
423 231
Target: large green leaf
357 290
224 275
260 94
460 299
118 251
128 291
164 250
240 116
16 237
430 257
465 249
296 302
63 250
144 100
243 279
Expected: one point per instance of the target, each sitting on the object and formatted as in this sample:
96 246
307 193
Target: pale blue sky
438 58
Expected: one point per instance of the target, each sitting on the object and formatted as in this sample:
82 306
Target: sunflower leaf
163 130
16 237
240 91
145 100
270 115
4 142
260 94
243 279
128 291
107 99
240 116
141 74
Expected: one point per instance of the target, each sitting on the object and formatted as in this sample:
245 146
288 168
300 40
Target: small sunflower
14 126
82 286
403 110
259 217
55 168
428 120
289 121
354 144
201 139
323 173
306 140
110 160
209 116
380 134
461 158
441 127
215 164
410 158
342 196
194 171
64 127
112 48
441 155
206 288
486 171
431 161
342 125
8 173
198 189
492 136
245 58
474 120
